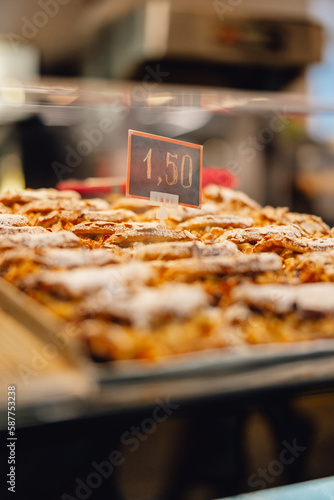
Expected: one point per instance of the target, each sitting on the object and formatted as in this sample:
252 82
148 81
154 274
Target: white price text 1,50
172 169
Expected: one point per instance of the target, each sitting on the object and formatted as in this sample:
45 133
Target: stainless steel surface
297 377
193 34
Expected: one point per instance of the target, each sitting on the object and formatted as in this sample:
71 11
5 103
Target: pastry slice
255 234
192 269
224 195
136 205
62 239
150 306
182 250
13 220
312 266
182 213
126 237
315 298
298 245
223 221
58 258
6 230
119 215
28 195
46 206
113 280
310 224
57 216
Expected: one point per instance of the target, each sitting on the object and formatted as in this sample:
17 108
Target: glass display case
74 135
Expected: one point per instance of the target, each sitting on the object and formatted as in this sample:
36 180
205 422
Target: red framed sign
163 165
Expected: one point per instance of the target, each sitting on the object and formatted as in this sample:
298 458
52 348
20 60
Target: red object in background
96 186
220 176
231 35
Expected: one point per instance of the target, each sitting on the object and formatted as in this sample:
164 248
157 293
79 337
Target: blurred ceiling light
159 100
221 103
188 120
156 29
260 99
18 61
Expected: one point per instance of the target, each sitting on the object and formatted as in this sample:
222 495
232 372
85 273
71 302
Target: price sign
162 165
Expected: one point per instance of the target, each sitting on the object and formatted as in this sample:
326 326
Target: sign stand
163 199
162 214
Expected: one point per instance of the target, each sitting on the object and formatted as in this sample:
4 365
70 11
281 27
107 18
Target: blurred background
178 68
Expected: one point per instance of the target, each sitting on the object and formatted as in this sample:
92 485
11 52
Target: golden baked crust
182 250
231 273
224 221
125 236
299 245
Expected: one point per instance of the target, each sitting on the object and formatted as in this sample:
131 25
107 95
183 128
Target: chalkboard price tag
163 165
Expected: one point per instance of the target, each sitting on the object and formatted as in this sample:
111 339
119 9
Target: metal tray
230 360
91 388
